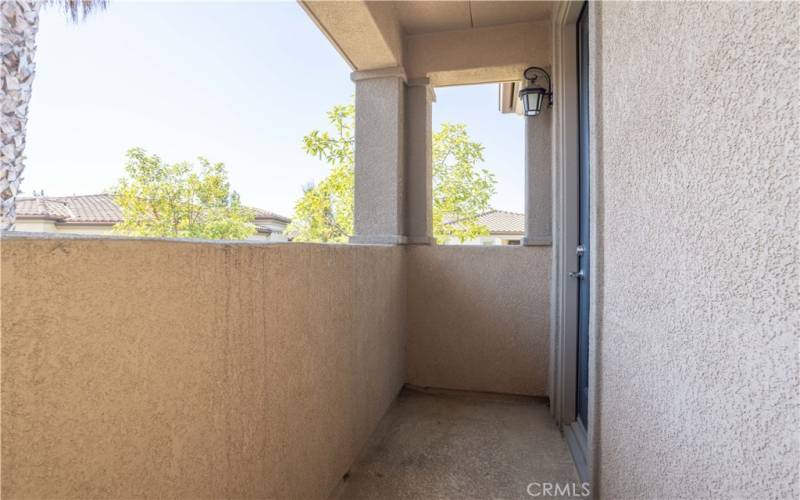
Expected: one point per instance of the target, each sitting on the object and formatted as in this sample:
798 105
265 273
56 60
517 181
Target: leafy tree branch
461 191
179 201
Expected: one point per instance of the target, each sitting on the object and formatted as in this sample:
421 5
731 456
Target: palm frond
79 9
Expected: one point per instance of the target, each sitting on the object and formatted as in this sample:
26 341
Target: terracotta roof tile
77 209
501 222
263 214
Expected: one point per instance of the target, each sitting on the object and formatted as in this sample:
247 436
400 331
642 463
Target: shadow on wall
478 318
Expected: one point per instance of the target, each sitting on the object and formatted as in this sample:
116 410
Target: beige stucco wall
35 226
452 43
698 157
166 368
136 368
366 34
478 55
478 318
75 229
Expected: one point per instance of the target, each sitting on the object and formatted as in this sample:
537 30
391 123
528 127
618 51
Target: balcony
137 368
396 368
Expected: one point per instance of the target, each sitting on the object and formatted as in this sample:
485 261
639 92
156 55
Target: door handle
577 274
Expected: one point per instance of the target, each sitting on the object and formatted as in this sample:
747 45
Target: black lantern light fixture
533 95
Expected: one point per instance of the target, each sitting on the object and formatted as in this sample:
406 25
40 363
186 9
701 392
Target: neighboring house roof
501 222
263 214
264 229
92 208
99 209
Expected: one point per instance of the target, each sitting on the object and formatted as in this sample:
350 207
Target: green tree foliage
325 212
460 190
177 201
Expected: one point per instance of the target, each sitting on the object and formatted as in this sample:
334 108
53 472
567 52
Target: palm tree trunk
19 20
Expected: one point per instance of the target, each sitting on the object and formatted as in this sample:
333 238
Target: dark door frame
583 251
566 319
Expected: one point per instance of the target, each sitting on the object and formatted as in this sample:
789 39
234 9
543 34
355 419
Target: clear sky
239 83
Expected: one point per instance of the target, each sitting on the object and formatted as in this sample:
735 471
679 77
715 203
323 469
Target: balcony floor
447 444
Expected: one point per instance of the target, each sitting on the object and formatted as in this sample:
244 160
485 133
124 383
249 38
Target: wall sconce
533 95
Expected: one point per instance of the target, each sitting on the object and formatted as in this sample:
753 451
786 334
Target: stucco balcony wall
177 369
478 318
135 368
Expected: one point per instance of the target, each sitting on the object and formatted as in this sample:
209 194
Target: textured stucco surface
453 43
478 318
178 369
367 34
698 337
379 157
477 55
135 368
538 178
419 174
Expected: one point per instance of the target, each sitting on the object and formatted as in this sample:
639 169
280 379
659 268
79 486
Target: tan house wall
35 226
177 369
491 239
478 318
698 218
44 226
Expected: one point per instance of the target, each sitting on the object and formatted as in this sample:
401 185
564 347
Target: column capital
423 82
371 74
418 82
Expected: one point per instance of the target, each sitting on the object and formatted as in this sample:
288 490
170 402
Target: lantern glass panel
532 101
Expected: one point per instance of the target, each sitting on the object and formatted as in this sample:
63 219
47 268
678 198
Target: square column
379 156
538 184
419 174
